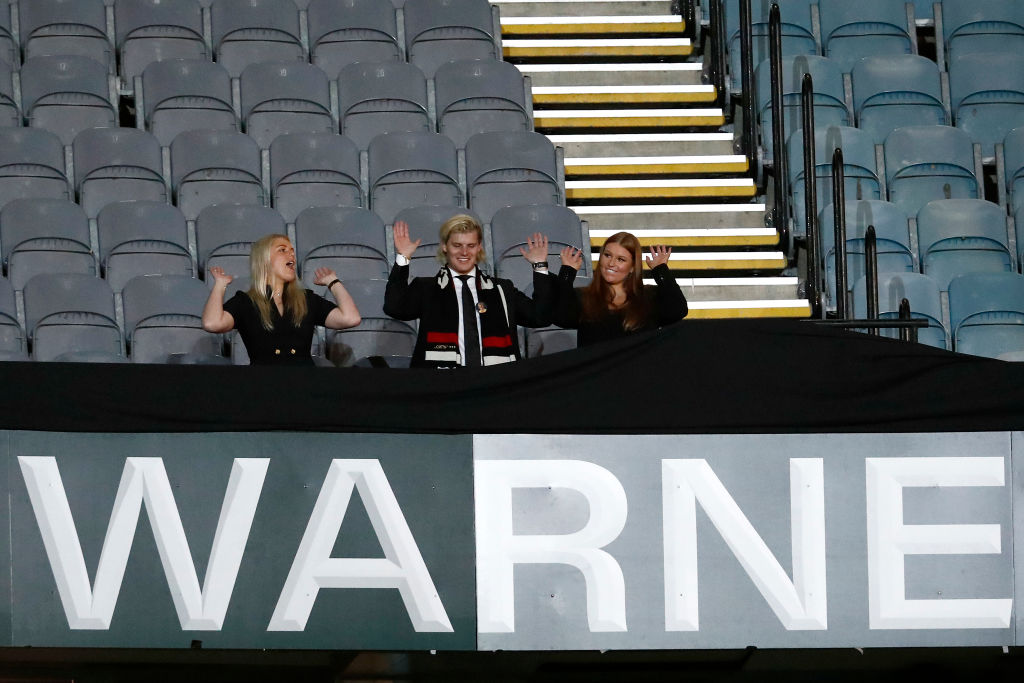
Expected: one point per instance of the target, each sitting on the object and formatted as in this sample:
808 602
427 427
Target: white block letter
799 604
402 567
143 480
889 541
498 550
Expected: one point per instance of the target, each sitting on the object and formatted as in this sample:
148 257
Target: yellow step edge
654 192
758 312
628 97
660 169
700 241
593 28
628 122
753 263
599 51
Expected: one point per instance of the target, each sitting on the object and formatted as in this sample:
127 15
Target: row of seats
303 169
69 94
145 238
330 33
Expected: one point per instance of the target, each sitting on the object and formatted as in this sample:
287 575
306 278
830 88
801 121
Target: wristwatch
540 265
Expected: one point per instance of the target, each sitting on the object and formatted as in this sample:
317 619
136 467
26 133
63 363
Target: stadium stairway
616 86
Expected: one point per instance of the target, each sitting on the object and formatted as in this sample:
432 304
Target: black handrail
781 217
839 217
716 60
871 273
909 334
749 139
810 199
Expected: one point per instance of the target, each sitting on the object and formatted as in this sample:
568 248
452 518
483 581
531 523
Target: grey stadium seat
349 240
186 94
959 236
155 30
163 319
285 97
213 167
45 236
12 337
512 225
10 113
249 31
986 312
439 31
410 169
225 233
377 334
70 312
919 290
65 27
342 32
923 163
480 96
313 169
66 95
9 51
381 97
142 238
115 164
511 168
544 341
424 223
31 165
889 92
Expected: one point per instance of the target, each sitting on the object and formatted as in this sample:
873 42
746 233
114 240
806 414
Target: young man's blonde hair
460 223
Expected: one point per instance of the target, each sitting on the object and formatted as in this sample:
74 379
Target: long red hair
598 296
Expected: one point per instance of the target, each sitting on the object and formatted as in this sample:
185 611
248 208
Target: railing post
749 140
810 197
719 55
778 126
839 215
871 275
907 334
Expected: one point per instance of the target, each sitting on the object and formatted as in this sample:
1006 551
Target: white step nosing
612 19
697 256
754 303
664 233
647 160
665 182
596 42
640 137
619 89
654 66
623 113
733 281
667 208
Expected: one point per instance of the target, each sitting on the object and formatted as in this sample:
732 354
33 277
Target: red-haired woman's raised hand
659 255
572 257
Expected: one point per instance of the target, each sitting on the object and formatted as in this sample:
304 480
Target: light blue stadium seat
313 169
797 32
511 168
869 28
65 27
986 312
1013 160
377 334
861 176
919 290
512 225
45 236
923 163
66 95
829 104
894 91
342 32
958 236
245 32
285 97
142 238
214 167
117 164
440 31
892 240
381 97
410 169
186 94
225 233
154 30
349 240
424 223
971 26
987 96
71 313
163 318
32 165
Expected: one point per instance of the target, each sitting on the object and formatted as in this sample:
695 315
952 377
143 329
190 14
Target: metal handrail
910 334
749 134
839 216
716 58
781 217
814 287
871 273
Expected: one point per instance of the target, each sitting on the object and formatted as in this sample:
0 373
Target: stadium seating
919 290
313 169
894 91
213 167
186 94
973 26
32 165
10 113
349 240
923 163
71 312
246 32
439 31
285 97
9 51
987 96
512 225
1013 163
480 96
225 233
958 236
511 168
45 236
409 169
163 319
154 30
377 334
381 97
875 28
797 32
342 32
65 27
142 238
986 312
115 164
12 336
66 95
424 223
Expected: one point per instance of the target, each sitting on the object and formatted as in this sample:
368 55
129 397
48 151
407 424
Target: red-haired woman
617 303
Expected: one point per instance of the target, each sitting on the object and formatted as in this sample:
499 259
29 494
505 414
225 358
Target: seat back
957 236
342 32
163 318
440 31
512 225
982 26
214 167
920 291
65 27
987 96
986 312
246 32
113 164
349 240
66 94
187 94
313 169
424 224
796 29
12 336
894 91
70 312
45 236
32 165
923 163
154 30
828 98
480 96
225 233
381 97
285 97
10 112
377 335
142 238
410 169
511 168
850 31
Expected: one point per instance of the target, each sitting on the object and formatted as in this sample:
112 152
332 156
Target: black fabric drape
695 377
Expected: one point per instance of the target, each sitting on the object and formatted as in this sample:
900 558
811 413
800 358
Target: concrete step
618 145
591 74
606 95
582 8
661 217
723 260
576 167
765 308
694 237
562 25
659 188
565 120
596 48
711 289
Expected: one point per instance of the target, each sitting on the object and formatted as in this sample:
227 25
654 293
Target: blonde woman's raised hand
220 277
403 245
324 276
659 255
536 250
572 257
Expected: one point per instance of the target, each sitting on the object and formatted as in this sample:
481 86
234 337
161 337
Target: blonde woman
277 315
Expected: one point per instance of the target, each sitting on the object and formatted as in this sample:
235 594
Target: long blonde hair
294 294
598 295
459 223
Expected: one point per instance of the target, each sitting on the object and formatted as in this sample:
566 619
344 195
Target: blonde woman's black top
285 344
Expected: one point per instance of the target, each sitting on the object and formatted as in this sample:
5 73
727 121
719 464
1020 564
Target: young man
466 317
